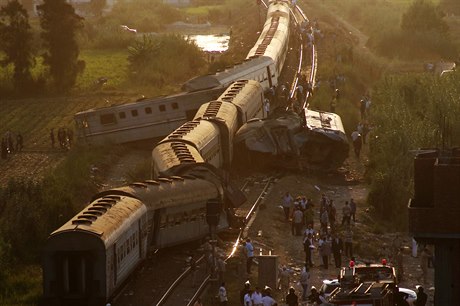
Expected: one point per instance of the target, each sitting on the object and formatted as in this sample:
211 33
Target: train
89 257
208 138
154 118
87 260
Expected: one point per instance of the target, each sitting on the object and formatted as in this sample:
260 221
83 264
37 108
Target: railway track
189 285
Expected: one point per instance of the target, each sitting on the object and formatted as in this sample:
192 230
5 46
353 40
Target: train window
122 115
162 108
108 118
134 113
148 110
175 105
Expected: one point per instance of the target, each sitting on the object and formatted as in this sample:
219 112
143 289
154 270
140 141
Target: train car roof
104 216
169 155
228 75
323 120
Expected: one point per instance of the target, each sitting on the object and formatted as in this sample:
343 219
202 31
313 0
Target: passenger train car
209 137
274 39
156 118
89 257
145 119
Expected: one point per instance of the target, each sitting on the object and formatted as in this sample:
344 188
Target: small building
434 214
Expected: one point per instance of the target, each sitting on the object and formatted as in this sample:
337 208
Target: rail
206 281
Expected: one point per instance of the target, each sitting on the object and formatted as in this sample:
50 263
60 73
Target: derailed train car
209 137
89 257
320 139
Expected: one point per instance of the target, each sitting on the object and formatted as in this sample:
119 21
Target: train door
76 275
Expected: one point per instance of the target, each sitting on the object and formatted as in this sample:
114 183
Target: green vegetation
60 24
417 27
408 112
16 42
31 210
162 60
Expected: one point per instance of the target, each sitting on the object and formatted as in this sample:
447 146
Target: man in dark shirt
292 299
421 297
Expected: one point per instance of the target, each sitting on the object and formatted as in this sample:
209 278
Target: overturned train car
320 140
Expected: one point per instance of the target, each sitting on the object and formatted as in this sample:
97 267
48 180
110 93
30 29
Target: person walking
284 280
304 279
223 295
249 255
324 251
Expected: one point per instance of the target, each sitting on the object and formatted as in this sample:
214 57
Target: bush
409 112
160 60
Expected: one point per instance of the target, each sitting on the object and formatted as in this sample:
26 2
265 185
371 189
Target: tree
423 16
16 40
60 24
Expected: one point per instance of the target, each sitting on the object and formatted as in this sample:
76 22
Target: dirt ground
270 231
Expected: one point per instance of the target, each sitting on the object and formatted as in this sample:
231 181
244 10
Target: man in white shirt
249 255
247 299
257 297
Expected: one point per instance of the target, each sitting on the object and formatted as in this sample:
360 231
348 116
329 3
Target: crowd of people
8 145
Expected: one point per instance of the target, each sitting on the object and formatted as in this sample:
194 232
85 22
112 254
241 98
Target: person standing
246 289
267 107
346 214
247 298
357 142
267 300
221 268
324 251
256 297
304 279
348 239
223 295
287 203
421 297
337 249
353 210
292 299
332 212
308 246
298 221
249 255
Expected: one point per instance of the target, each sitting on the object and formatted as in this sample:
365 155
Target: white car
328 286
410 295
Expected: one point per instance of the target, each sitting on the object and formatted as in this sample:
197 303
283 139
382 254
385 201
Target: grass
201 10
110 64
